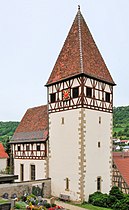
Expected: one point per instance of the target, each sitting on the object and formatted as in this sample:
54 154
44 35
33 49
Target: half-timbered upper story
30 138
80 77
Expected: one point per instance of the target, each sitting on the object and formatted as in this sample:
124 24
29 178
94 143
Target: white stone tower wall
64 152
98 159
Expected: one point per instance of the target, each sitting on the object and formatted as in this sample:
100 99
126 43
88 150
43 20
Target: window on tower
52 97
89 92
27 147
99 180
98 144
67 184
38 147
19 148
75 92
107 97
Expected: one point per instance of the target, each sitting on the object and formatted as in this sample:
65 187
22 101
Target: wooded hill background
120 126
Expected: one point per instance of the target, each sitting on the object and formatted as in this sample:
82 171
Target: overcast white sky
32 33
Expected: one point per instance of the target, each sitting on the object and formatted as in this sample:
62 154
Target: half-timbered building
121 171
78 118
29 145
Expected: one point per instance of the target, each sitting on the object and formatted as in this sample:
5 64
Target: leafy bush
101 201
115 191
20 205
94 196
121 205
115 200
47 205
111 200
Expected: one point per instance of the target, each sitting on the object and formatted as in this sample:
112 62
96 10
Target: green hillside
121 122
120 126
6 132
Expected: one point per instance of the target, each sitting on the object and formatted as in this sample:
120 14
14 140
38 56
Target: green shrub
111 200
93 196
101 201
47 205
115 191
121 205
53 205
20 205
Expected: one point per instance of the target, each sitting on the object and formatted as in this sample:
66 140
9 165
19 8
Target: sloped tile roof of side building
3 154
33 126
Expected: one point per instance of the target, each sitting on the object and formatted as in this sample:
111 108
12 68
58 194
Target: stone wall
26 187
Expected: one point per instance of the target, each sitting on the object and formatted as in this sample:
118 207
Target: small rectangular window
38 147
98 144
99 120
32 172
98 183
22 172
62 120
67 184
52 97
107 97
19 148
75 92
27 147
89 92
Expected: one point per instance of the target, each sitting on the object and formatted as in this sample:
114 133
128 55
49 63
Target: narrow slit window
98 144
67 184
62 120
22 172
32 172
99 183
99 120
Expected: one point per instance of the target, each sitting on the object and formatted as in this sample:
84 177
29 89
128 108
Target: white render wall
64 153
39 169
98 160
3 164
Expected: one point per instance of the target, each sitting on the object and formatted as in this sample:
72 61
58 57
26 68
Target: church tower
80 103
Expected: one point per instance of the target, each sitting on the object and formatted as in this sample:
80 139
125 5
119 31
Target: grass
91 207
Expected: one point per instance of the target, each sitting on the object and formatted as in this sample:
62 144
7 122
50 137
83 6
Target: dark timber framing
97 101
32 153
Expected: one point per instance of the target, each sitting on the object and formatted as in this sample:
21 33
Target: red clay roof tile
121 161
79 55
3 154
35 119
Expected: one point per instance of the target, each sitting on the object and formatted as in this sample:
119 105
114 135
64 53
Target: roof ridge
37 106
80 38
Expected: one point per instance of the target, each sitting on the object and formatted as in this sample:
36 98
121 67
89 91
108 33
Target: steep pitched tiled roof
79 55
34 125
3 154
121 161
